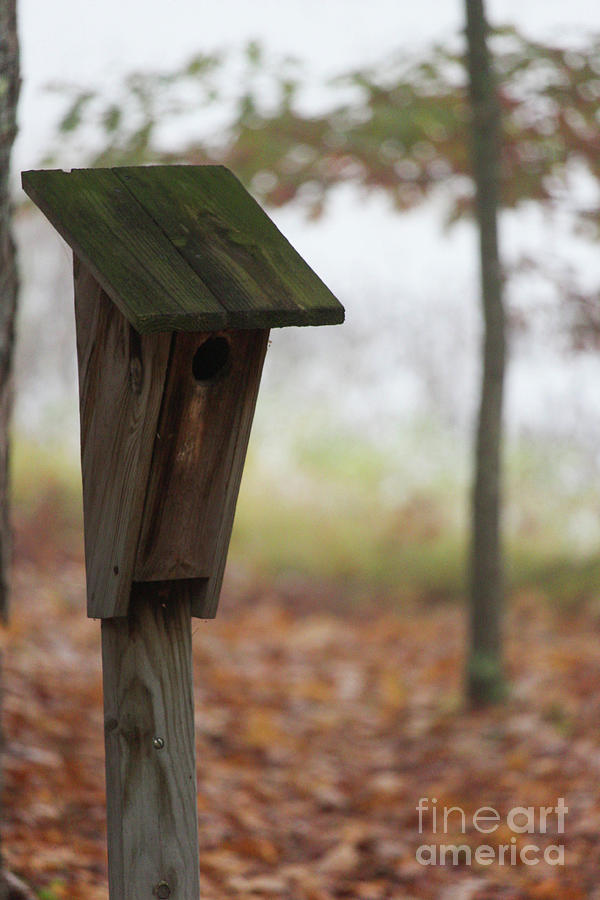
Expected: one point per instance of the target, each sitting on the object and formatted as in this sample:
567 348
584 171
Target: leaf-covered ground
318 729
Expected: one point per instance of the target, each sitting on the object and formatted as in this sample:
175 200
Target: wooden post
150 752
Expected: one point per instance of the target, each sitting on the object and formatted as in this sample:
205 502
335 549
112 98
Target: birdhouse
179 275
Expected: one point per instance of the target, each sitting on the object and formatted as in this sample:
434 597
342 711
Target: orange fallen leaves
317 734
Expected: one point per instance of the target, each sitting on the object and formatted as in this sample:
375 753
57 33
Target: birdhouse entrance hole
211 359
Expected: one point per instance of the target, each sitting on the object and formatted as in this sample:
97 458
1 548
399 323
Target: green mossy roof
182 248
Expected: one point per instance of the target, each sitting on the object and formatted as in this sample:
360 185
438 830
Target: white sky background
398 270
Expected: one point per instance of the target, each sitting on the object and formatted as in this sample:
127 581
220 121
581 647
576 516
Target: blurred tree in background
486 585
398 128
401 129
9 92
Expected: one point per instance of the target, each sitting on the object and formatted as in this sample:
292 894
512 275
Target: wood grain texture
182 248
121 380
197 465
151 793
233 245
129 255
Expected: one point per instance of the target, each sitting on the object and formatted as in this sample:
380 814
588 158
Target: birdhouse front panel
199 451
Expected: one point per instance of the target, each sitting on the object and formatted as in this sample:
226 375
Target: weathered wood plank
150 751
182 248
233 245
197 464
129 255
121 379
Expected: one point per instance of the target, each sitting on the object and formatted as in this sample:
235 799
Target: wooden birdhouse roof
182 248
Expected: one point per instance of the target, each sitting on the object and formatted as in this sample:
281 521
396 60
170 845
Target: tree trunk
9 92
485 683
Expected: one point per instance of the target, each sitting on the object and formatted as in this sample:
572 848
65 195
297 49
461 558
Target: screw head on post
158 743
162 890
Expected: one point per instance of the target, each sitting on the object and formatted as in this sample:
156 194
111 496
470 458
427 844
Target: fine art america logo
520 820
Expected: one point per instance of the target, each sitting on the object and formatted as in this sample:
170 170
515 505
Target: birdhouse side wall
121 382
